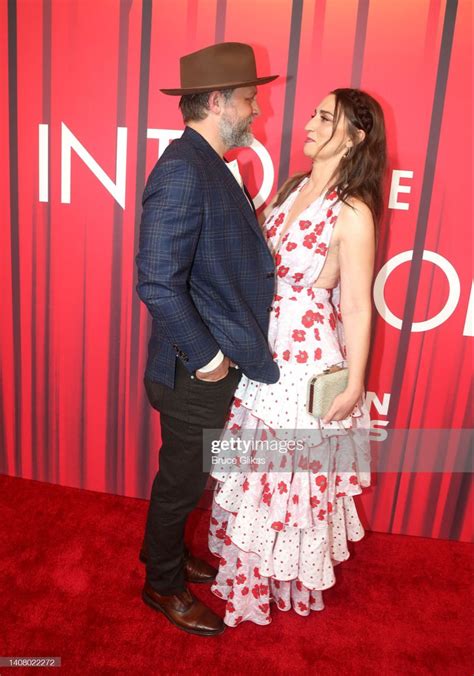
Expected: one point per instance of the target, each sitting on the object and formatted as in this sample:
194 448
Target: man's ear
215 102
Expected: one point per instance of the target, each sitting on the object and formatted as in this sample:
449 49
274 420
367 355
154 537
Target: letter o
405 257
268 173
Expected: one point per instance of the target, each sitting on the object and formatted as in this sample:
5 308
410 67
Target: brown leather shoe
185 611
196 570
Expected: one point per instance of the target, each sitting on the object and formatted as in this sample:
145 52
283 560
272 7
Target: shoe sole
209 581
156 606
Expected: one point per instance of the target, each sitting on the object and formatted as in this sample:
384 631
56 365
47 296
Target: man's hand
217 374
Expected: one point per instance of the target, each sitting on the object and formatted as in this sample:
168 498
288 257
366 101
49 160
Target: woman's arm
356 261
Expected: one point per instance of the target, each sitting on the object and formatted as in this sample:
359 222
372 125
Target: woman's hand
343 404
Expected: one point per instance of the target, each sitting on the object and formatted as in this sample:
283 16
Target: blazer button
270 308
270 275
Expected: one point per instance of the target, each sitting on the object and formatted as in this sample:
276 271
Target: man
207 278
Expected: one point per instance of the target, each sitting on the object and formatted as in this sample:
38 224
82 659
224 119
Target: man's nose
255 108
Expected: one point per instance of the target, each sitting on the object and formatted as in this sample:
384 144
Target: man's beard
235 134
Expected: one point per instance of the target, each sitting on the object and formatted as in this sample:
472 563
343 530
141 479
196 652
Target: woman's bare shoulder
355 220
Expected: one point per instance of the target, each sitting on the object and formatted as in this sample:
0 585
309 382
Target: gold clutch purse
324 388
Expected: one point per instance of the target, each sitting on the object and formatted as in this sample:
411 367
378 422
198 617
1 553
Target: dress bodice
301 253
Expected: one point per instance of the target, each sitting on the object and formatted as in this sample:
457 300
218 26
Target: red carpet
71 584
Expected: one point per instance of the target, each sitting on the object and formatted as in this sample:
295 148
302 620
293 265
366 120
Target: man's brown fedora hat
222 66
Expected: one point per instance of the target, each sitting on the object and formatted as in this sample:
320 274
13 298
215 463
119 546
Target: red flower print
332 195
227 541
290 246
267 498
266 487
329 213
282 271
302 606
222 561
277 314
229 582
303 463
287 517
263 435
315 466
321 514
297 289
271 231
302 357
277 525
338 479
308 319
214 521
256 572
245 485
217 592
341 495
264 607
318 317
276 297
322 482
282 487
256 591
299 585
298 276
281 604
298 335
309 240
353 480
263 479
304 225
279 219
318 353
237 402
274 355
322 248
220 533
230 607
240 579
319 228
238 564
231 595
314 502
316 334
296 499
245 591
263 589
238 620
286 355
329 507
277 584
332 320
235 428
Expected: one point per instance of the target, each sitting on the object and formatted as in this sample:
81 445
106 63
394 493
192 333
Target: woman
281 522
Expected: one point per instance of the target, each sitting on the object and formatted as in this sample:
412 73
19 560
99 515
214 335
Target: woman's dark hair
359 174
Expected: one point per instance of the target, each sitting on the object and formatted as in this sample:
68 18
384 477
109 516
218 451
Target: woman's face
320 129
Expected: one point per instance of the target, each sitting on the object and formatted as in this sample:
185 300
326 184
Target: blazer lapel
232 187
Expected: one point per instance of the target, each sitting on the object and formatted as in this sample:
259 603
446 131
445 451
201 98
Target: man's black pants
194 405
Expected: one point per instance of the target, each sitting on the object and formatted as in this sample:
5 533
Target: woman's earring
349 152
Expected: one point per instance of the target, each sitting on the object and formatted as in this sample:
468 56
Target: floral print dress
280 530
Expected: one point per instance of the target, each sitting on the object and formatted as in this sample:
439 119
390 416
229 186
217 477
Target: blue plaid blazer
205 271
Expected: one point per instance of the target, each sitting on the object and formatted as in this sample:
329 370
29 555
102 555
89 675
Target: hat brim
216 87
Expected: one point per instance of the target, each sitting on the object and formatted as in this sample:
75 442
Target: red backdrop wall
82 123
